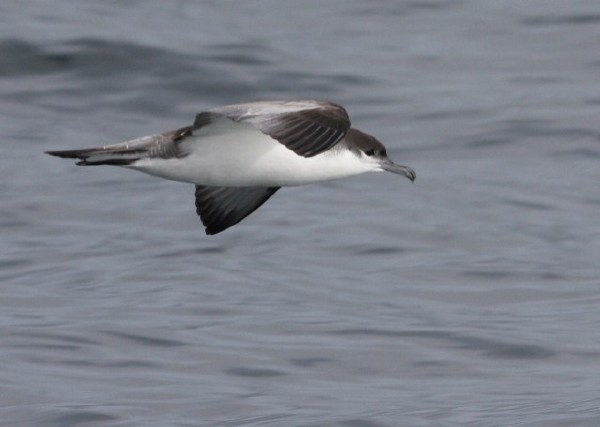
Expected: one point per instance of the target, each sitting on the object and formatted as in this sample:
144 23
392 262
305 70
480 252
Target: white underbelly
237 159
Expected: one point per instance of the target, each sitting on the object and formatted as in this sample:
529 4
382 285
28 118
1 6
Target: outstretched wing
306 127
221 207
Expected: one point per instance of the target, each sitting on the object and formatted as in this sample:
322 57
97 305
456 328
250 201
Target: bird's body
231 154
239 155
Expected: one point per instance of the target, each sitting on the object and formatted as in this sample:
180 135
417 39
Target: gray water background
469 298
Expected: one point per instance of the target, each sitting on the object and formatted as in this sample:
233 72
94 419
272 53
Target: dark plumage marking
358 142
203 119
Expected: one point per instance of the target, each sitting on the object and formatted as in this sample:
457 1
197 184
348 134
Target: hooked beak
388 165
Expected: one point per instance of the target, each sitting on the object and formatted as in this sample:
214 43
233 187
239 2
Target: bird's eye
383 153
369 152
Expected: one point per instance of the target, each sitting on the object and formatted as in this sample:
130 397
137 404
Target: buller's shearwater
240 155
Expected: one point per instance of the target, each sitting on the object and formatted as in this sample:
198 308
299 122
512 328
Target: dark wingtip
70 154
55 153
83 157
211 232
67 154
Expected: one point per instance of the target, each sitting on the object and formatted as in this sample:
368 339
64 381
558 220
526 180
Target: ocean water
469 298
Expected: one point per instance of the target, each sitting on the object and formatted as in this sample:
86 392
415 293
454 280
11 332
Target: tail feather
100 156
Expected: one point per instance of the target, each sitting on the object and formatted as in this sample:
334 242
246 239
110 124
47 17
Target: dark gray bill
390 166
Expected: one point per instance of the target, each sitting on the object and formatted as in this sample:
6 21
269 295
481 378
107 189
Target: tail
164 145
100 156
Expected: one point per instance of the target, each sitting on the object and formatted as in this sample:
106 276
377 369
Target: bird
239 155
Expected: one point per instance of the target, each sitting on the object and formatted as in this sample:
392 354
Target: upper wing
306 127
221 207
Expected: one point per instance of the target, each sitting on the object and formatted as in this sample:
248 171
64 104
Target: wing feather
221 207
306 127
